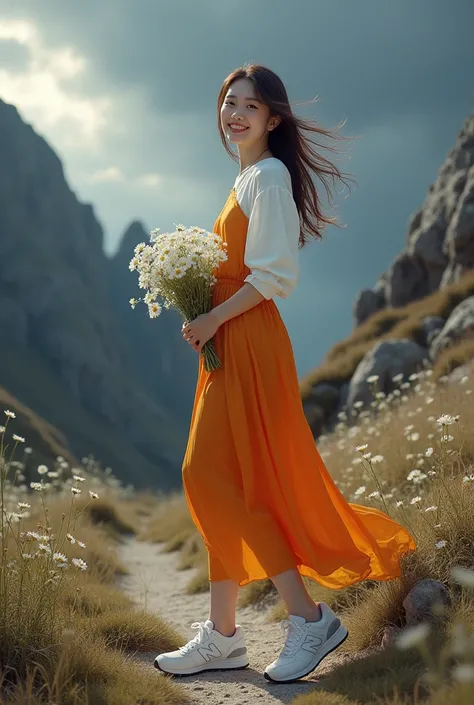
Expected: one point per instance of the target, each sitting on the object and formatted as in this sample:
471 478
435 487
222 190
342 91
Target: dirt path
155 582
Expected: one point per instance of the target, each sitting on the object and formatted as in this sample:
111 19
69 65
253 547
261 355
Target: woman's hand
200 330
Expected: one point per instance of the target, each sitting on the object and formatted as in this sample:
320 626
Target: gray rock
426 602
460 325
324 395
386 359
407 280
431 326
367 302
459 244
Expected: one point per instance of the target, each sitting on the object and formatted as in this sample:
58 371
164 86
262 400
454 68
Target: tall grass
67 635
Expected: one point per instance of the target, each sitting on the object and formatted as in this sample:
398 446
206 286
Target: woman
255 484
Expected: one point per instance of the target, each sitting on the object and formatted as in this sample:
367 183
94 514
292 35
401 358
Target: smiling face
241 107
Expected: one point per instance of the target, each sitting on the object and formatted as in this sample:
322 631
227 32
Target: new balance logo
311 643
207 652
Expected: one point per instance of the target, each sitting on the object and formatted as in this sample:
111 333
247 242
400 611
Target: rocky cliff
419 314
64 311
440 239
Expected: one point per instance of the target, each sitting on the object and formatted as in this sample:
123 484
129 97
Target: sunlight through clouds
41 92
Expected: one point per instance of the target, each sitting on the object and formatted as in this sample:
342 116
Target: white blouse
265 195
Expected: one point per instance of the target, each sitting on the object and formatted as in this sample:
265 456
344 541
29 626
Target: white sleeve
271 250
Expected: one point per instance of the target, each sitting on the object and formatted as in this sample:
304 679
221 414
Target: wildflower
413 437
372 379
415 500
9 413
362 447
413 636
413 377
33 535
440 544
3 429
42 469
447 419
20 439
53 473
468 391
93 495
60 560
27 556
360 491
463 673
78 478
367 455
71 538
358 404
44 548
23 505
464 379
429 452
468 478
79 563
37 486
377 459
447 439
398 378
463 576
399 503
433 508
75 490
376 493
133 302
82 545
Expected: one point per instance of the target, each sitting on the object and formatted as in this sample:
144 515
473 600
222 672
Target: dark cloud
398 72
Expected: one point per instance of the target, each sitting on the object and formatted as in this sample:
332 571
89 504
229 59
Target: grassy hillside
404 322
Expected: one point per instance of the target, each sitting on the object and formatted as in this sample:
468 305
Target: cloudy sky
125 92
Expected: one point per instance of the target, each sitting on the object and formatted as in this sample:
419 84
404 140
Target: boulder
386 359
368 301
431 326
460 325
426 602
459 243
324 395
407 280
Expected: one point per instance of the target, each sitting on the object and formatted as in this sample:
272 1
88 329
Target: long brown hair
287 143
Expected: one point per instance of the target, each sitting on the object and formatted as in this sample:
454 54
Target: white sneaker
207 651
306 645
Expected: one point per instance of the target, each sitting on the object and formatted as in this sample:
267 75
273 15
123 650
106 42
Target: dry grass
67 635
403 322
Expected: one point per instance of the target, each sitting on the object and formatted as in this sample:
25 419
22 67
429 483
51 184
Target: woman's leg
223 605
293 592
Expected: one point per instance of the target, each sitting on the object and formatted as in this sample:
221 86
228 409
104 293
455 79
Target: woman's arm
205 326
243 300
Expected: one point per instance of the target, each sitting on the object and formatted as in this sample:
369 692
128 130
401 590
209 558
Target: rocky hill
111 380
420 313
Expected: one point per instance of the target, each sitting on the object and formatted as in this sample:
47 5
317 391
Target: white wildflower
362 447
446 420
433 508
372 379
20 439
93 495
415 500
463 673
42 469
75 490
79 563
377 459
413 636
79 478
463 576
429 452
9 413
360 491
440 544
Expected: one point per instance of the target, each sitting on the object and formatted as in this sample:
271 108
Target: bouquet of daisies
179 267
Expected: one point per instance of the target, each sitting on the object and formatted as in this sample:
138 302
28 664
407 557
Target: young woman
256 486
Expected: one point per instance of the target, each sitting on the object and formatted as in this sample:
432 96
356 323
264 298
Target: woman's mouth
235 127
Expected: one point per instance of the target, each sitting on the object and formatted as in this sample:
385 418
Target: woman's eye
229 102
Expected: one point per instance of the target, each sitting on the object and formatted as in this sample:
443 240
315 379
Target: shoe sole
305 673
199 669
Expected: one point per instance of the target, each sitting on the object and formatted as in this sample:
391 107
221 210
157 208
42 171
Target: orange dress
255 484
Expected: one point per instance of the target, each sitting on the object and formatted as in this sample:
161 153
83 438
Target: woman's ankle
224 629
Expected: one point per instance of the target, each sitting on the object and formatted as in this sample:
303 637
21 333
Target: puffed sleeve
271 250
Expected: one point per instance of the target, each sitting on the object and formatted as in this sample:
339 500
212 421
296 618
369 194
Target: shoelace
201 636
293 634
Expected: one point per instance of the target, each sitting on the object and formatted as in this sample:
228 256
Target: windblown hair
288 143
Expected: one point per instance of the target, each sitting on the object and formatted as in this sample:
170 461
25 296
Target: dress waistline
228 280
